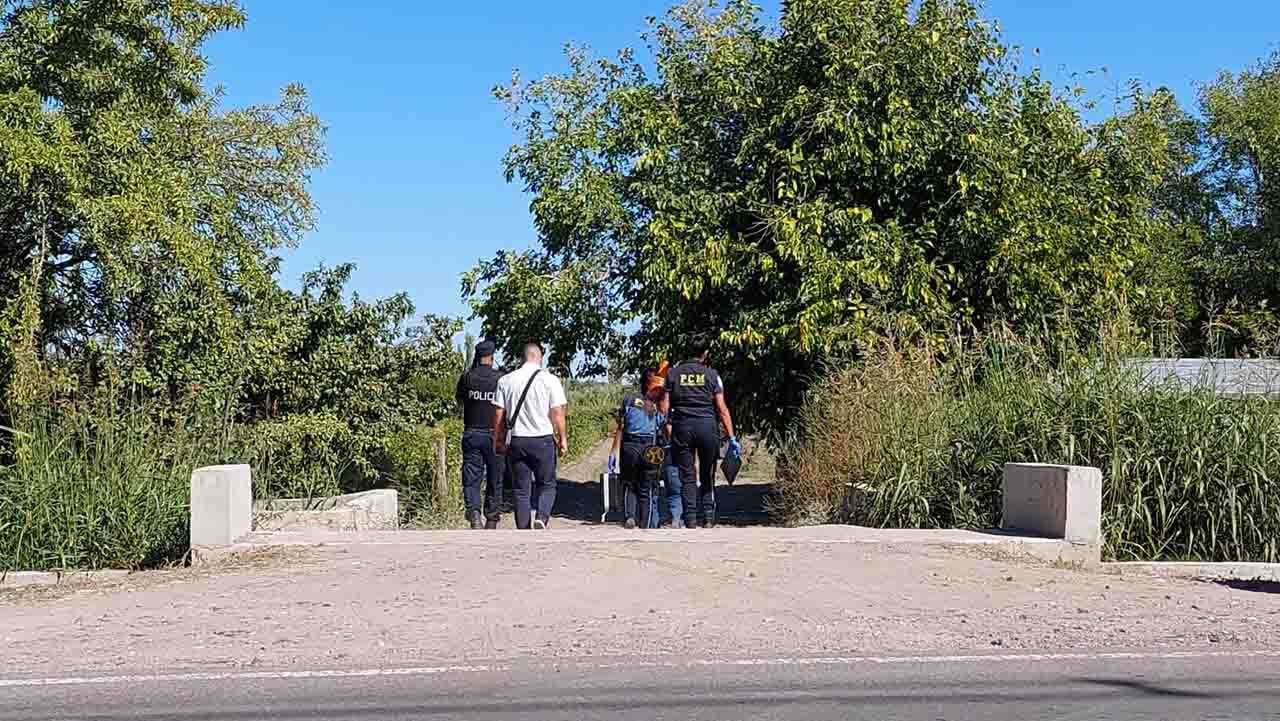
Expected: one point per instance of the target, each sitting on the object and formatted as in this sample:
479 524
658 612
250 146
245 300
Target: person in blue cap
476 391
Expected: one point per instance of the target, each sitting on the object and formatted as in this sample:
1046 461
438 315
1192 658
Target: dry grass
1065 565
245 563
912 439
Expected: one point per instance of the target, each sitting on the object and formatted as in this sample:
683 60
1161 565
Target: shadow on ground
1149 689
577 501
1252 586
741 505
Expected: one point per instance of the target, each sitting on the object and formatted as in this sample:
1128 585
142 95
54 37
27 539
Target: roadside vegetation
916 438
104 482
872 201
144 326
894 224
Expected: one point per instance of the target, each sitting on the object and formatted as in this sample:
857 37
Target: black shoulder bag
511 424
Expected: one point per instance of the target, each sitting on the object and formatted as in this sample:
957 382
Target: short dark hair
700 344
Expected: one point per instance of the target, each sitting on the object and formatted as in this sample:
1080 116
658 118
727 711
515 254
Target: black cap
485 349
701 342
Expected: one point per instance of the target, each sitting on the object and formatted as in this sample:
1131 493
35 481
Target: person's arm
670 387
460 393
722 408
725 417
500 432
617 442
558 405
500 420
664 407
558 422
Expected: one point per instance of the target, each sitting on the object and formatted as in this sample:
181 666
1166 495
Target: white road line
633 664
246 676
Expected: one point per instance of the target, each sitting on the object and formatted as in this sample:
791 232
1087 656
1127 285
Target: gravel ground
580 592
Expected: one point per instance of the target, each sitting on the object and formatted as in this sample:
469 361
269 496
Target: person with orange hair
670 472
638 444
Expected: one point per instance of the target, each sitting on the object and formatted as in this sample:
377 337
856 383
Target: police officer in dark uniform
476 390
696 397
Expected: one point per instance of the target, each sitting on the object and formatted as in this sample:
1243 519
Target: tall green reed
910 438
104 483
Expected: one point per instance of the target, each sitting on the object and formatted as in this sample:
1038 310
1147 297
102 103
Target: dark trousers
533 466
505 498
700 438
481 465
641 479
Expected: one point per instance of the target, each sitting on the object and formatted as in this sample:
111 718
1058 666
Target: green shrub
905 439
411 463
590 415
103 484
300 456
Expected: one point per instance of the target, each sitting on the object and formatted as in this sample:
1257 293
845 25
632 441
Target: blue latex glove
613 464
735 448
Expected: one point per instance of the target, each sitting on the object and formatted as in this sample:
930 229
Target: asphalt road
1088 687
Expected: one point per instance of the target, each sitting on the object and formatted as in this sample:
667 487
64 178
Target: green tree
1218 197
338 378
568 307
1239 174
139 227
143 329
135 214
866 166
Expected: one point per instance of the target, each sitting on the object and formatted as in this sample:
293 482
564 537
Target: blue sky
414 192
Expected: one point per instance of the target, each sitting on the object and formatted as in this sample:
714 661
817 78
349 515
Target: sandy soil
574 593
585 590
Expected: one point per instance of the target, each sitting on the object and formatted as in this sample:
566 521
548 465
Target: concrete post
221 506
1054 501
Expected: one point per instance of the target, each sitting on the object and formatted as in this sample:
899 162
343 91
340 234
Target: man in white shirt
531 409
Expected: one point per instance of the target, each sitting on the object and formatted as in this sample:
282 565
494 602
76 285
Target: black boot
491 524
477 521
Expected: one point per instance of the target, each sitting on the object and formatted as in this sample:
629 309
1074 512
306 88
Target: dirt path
461 596
578 492
578 495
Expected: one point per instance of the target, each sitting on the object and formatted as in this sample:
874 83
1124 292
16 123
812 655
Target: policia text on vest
476 391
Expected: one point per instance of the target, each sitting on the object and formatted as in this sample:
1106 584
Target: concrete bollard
1054 502
221 507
